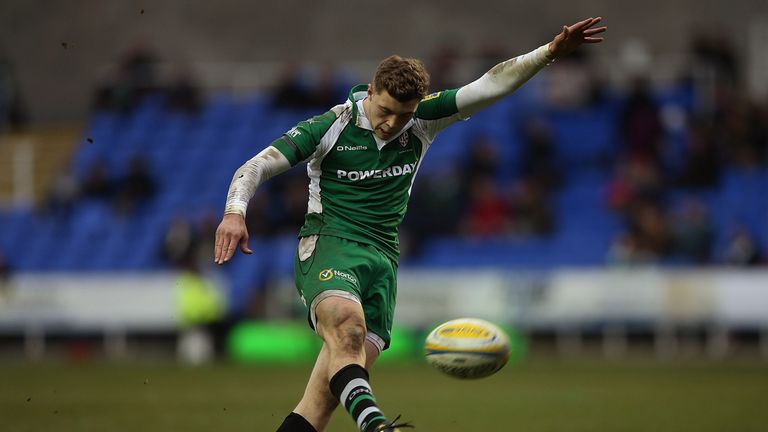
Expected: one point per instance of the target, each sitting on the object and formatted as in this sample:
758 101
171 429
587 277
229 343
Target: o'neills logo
393 171
351 148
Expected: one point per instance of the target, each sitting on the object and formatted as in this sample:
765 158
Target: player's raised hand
229 234
574 35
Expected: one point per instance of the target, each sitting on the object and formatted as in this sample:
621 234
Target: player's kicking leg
339 374
318 403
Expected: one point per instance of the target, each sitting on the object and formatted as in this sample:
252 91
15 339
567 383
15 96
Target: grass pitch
534 397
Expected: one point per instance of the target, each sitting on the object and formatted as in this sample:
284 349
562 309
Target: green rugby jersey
360 184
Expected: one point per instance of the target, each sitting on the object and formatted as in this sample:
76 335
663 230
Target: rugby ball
467 348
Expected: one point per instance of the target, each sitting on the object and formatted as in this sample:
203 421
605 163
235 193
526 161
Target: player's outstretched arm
232 230
508 76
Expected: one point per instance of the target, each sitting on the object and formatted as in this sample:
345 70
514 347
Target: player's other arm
508 76
232 230
294 146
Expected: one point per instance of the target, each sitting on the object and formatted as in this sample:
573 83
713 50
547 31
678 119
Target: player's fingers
581 24
244 245
593 39
217 248
585 26
221 248
594 31
231 247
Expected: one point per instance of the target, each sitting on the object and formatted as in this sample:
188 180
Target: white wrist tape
265 165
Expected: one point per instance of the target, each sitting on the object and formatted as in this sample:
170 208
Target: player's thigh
379 300
335 316
329 267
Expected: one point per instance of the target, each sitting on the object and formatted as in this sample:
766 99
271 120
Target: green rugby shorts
327 266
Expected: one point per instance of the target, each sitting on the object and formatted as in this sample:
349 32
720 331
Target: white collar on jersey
363 122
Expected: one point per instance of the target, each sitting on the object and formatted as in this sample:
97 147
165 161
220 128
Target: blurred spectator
111 94
532 214
742 249
202 317
538 158
259 217
138 68
650 226
137 187
62 196
435 210
294 195
483 159
442 67
636 180
739 130
291 91
625 250
487 212
135 77
640 123
11 111
183 94
5 276
179 243
326 92
693 233
188 246
571 82
206 239
301 89
701 168
759 129
97 184
713 52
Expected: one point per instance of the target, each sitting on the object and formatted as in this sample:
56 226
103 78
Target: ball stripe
482 354
491 349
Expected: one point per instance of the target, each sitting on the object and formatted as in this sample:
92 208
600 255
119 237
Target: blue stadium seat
194 157
585 137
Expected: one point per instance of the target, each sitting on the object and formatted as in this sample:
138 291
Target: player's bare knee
345 335
341 324
351 336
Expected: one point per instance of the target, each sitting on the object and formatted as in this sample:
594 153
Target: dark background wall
56 82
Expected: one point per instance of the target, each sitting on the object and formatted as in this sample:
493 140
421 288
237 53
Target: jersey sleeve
436 112
300 142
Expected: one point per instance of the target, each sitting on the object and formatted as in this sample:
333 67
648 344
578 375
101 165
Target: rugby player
362 157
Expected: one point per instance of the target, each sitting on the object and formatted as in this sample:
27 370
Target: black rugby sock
350 385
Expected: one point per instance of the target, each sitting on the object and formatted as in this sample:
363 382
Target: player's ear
370 90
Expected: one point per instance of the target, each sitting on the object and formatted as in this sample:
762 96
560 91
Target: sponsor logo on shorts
328 274
325 275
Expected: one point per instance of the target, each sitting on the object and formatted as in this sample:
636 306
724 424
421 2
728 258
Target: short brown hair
405 79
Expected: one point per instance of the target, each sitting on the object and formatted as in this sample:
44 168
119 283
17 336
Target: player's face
388 115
